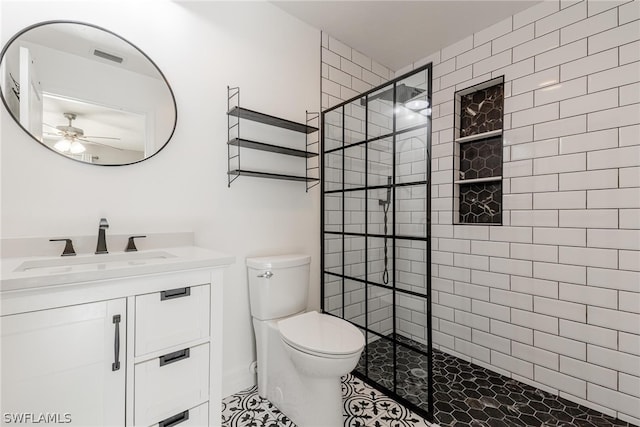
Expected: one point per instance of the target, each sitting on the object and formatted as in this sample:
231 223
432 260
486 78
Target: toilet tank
283 293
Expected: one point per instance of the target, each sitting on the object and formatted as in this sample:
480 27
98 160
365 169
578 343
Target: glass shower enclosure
376 229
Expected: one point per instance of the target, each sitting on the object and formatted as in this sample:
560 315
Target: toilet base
309 401
322 406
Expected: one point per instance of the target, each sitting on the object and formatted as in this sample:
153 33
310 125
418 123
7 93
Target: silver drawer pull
175 293
266 275
174 357
175 420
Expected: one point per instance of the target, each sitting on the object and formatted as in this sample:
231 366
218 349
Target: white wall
201 47
552 297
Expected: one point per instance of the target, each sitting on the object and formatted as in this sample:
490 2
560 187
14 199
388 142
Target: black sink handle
68 247
131 245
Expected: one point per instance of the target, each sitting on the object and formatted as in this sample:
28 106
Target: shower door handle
266 275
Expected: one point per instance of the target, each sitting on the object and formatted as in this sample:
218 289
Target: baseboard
237 380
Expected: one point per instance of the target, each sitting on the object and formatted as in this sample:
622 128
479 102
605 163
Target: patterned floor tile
366 406
363 406
248 409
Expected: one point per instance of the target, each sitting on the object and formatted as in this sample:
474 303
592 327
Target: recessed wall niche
478 147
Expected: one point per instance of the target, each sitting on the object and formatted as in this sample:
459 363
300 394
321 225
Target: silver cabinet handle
175 420
176 356
116 344
175 293
266 275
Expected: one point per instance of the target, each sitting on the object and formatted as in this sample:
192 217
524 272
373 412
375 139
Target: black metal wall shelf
267 119
257 174
255 145
235 143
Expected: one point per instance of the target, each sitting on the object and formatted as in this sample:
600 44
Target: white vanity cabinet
66 361
59 345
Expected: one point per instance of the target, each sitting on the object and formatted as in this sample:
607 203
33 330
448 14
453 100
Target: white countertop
36 272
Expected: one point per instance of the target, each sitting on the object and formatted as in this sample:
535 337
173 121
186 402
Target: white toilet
301 356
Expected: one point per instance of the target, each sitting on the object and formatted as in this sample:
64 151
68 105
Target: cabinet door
59 364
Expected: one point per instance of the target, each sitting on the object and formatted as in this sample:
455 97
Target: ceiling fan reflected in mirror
71 137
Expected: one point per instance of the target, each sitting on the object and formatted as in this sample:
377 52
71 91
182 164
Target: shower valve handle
266 275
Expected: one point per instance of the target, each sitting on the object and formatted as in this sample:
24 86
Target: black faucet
101 248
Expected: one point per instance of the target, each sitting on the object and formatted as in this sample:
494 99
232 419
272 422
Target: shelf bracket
312 144
233 98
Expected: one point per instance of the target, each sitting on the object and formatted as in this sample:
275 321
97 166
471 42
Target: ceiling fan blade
101 137
47 124
98 143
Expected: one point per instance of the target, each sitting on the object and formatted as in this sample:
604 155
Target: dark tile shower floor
468 395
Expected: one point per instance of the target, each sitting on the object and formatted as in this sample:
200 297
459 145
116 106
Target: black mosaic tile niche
481 159
478 168
481 111
481 203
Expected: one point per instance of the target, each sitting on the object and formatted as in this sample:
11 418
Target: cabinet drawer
194 417
166 385
171 317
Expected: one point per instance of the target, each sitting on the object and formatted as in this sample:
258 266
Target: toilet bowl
321 345
301 355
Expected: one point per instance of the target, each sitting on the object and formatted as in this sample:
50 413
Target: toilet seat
321 335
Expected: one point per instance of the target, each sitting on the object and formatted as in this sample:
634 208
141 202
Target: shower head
403 94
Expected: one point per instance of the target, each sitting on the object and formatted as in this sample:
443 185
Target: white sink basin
92 262
26 273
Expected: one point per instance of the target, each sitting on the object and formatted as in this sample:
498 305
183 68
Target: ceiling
397 33
82 40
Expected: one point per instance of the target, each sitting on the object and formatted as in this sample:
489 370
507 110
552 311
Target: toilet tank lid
278 261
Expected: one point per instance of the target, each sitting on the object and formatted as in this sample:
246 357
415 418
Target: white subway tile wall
553 296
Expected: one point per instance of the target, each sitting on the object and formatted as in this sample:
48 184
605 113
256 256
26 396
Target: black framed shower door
376 231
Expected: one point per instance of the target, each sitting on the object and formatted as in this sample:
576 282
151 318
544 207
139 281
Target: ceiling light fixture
69 144
69 141
63 145
77 148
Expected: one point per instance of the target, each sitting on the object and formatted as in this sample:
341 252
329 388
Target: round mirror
86 93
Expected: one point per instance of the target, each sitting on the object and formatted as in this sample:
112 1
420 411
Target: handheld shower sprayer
388 201
385 207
